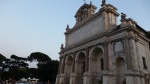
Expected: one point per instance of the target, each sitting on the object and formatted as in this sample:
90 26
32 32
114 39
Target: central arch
96 65
97 60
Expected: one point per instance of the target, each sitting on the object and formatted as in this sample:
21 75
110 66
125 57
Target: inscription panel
142 50
118 46
85 32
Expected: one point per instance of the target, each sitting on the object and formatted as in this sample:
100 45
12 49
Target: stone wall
86 31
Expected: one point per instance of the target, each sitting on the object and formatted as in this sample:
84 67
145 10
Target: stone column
129 79
90 69
127 52
59 68
63 66
73 67
138 77
73 78
134 58
86 74
143 80
106 67
87 60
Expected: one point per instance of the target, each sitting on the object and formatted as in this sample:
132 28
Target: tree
47 68
52 70
48 72
18 62
32 72
15 67
2 58
39 57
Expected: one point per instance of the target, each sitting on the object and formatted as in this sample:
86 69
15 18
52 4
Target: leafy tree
18 62
2 58
15 67
39 57
52 70
32 72
48 72
47 68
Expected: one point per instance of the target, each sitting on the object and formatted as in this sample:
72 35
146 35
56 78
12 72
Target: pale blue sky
28 26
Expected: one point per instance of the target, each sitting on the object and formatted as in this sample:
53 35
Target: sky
28 26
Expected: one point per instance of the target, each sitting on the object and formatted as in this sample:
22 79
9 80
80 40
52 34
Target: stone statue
103 2
123 17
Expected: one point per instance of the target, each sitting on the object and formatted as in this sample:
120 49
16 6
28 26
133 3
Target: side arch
91 50
80 63
77 55
121 70
68 64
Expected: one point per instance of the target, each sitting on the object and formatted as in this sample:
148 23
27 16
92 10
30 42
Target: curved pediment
82 9
85 11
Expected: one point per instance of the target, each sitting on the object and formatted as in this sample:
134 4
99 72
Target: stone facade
99 51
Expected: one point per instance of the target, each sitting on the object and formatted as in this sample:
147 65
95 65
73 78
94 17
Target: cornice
105 34
141 35
86 41
109 10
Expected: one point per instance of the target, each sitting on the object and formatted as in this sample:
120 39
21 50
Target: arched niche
80 63
120 70
68 64
97 60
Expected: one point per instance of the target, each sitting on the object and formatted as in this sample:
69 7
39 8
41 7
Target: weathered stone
99 51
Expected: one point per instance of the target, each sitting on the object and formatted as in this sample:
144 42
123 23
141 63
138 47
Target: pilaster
73 67
106 67
127 52
63 66
59 68
90 70
87 60
134 57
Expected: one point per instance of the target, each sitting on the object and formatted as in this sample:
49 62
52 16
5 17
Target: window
144 63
